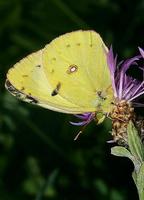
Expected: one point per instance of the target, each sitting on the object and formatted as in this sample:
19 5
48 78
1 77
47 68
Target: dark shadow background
38 158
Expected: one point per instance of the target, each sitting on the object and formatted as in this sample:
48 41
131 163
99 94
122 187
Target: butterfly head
104 100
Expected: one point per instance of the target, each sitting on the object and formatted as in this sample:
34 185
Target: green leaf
121 151
134 142
134 176
140 182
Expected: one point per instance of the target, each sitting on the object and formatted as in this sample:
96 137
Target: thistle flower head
127 93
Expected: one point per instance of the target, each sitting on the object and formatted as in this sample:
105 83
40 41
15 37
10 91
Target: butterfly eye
72 69
101 95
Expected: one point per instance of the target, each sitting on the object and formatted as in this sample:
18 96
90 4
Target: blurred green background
39 159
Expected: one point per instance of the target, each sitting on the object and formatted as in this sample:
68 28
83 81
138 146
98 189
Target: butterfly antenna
76 137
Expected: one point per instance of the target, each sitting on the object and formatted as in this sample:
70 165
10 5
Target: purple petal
84 116
129 62
112 67
78 123
141 51
111 61
136 104
125 86
86 119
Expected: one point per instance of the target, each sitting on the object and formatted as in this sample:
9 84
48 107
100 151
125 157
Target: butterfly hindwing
27 81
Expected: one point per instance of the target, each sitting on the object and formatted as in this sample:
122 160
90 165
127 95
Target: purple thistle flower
126 87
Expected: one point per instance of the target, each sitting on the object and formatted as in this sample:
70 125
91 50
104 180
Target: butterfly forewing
77 61
27 81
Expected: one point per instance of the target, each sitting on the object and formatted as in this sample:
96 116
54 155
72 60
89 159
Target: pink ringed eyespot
72 69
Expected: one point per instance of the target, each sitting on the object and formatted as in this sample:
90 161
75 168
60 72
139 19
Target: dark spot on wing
54 59
56 90
22 89
38 66
52 71
31 99
10 87
19 94
24 75
68 45
7 83
78 44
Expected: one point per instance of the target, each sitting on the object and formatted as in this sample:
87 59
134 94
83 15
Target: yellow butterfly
69 75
